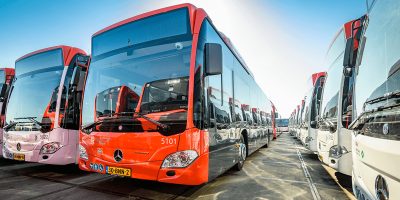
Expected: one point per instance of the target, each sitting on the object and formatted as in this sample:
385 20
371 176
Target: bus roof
68 52
194 13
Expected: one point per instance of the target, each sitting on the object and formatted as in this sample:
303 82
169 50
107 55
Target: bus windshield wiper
386 96
10 125
32 119
357 125
164 126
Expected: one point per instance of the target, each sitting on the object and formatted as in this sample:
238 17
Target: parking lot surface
284 170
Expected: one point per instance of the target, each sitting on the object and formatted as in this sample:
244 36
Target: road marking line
283 163
277 179
313 189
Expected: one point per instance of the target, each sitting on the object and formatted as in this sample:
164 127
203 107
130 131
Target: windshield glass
2 76
158 72
34 95
333 60
40 61
165 25
378 71
307 107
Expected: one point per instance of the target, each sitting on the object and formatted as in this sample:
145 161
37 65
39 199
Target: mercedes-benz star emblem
118 155
381 188
19 146
385 129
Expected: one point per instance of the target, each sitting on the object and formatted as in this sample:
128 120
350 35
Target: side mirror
75 76
1 99
213 59
348 71
348 60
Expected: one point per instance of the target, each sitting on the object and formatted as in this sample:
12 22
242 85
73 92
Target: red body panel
148 165
10 72
347 32
316 76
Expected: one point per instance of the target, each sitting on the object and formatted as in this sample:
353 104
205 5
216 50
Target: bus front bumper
195 174
65 155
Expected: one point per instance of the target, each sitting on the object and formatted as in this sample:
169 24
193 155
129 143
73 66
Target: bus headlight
336 151
180 159
82 152
50 148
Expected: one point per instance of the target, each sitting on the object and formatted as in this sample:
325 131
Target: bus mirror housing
348 60
75 76
348 71
213 54
313 124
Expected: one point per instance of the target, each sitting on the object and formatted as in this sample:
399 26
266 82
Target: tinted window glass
53 58
161 26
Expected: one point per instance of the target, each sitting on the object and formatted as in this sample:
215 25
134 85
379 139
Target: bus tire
242 153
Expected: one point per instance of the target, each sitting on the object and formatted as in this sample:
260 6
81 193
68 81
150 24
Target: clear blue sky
282 41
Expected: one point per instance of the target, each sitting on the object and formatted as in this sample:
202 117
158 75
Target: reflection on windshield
157 72
34 95
165 95
378 72
115 100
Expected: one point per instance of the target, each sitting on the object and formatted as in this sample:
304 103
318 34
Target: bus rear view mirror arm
213 59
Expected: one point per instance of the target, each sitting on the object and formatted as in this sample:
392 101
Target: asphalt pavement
283 170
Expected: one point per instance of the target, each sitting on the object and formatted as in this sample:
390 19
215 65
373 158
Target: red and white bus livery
195 109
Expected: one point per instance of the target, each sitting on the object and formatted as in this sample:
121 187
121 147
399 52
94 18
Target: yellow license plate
118 171
320 158
19 157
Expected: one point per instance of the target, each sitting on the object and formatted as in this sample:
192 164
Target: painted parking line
285 180
313 189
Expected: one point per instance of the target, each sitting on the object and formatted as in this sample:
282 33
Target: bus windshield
2 76
34 93
159 71
378 71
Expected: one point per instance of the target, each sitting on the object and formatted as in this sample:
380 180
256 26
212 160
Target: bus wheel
242 153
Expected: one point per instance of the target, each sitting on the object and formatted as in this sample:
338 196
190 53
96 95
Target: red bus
6 80
193 116
43 112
